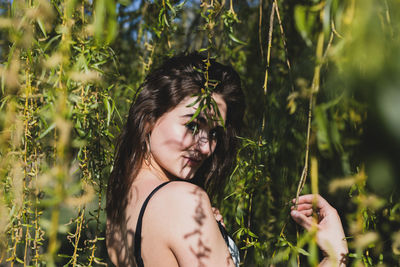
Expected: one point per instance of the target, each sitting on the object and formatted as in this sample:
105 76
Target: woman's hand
330 234
218 216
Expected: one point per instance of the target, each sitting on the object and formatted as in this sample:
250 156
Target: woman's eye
193 127
214 134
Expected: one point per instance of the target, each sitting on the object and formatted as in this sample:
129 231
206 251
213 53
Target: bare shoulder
183 186
186 223
179 190
180 199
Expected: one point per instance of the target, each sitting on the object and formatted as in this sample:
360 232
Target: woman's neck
157 173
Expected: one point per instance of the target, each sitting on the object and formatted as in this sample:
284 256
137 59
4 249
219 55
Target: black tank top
138 232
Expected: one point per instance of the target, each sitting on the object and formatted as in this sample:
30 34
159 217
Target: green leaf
304 21
64 256
171 8
180 6
233 38
109 108
41 26
51 127
19 260
250 233
165 19
48 44
198 99
302 251
160 16
198 110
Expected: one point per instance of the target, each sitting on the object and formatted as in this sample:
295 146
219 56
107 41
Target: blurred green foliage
322 92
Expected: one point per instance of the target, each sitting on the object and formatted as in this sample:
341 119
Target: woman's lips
193 161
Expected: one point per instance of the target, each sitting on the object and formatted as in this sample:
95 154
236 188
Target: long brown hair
163 89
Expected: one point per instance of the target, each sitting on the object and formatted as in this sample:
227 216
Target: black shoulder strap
138 232
223 232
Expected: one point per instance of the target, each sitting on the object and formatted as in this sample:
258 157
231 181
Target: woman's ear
148 127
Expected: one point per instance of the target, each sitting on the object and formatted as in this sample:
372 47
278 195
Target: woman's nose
203 144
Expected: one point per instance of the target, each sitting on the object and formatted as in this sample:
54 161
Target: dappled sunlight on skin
202 251
120 239
120 242
162 172
194 151
179 144
191 153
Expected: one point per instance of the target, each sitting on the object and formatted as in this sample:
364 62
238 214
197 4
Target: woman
154 223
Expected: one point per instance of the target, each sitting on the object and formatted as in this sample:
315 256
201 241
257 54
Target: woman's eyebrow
200 118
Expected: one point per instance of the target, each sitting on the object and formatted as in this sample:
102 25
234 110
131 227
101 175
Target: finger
305 211
310 198
304 207
215 211
301 219
306 199
218 217
308 212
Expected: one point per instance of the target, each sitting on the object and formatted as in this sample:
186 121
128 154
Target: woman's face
178 148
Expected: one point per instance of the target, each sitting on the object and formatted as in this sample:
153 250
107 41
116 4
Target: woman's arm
187 224
330 234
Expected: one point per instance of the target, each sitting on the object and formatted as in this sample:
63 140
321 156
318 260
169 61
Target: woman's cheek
187 140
